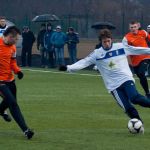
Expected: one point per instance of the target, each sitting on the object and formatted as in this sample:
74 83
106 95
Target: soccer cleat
6 117
29 133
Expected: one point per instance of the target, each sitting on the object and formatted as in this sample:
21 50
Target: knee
141 75
134 99
13 104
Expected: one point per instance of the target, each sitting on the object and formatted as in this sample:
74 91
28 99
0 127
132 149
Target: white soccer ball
135 126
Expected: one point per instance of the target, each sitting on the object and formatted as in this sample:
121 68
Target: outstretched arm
83 63
131 50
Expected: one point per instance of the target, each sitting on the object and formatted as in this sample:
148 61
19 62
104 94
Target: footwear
29 133
6 117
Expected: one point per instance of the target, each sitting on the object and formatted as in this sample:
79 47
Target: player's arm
131 50
14 67
83 63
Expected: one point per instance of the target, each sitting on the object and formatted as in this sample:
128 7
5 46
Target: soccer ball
135 126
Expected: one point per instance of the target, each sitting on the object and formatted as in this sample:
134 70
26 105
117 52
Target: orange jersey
7 62
137 40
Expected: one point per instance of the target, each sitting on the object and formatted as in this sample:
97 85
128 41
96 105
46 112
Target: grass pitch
71 112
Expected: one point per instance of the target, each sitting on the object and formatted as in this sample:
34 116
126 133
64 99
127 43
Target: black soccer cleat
6 117
29 133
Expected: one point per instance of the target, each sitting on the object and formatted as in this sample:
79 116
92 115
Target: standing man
8 65
72 41
27 43
3 25
58 40
138 38
112 63
40 44
49 50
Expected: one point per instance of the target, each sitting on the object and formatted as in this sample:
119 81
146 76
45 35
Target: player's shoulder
143 32
117 45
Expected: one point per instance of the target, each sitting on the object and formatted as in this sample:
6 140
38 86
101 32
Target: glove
20 75
62 68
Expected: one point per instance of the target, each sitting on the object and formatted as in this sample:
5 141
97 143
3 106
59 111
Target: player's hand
20 75
63 68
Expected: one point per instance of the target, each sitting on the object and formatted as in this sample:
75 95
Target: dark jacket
28 39
47 40
40 38
72 40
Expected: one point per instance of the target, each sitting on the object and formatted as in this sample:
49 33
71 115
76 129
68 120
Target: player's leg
140 72
15 110
3 107
134 96
124 102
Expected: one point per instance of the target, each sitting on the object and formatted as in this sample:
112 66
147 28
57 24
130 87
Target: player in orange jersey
138 38
8 66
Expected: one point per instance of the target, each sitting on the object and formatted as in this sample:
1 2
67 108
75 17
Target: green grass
71 112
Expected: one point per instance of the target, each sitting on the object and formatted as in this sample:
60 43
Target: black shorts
142 67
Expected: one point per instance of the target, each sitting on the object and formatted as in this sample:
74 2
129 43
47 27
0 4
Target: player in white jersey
3 25
112 63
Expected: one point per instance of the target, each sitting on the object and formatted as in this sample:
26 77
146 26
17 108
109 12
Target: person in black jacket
27 43
72 41
40 44
49 49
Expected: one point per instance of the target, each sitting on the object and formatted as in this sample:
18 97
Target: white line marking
59 72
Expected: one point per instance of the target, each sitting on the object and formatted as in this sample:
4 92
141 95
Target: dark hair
105 33
134 22
70 29
2 17
12 30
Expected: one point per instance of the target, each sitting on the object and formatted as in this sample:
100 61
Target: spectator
58 40
72 40
40 43
3 25
27 43
49 50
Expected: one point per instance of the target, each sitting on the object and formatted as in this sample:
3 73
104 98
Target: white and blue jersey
2 31
112 63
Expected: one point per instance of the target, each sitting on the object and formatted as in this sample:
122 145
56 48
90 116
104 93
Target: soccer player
8 65
112 63
140 63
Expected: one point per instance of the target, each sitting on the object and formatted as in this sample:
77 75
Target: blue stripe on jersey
114 53
2 31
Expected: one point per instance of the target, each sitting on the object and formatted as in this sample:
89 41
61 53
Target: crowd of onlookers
50 43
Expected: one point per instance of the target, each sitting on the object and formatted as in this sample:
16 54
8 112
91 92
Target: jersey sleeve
131 50
83 63
14 67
